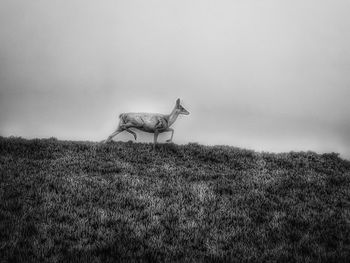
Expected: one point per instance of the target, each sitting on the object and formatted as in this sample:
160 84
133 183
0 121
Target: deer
149 122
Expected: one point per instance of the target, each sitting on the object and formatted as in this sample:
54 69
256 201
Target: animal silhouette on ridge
149 122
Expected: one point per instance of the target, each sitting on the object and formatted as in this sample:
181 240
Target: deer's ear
177 102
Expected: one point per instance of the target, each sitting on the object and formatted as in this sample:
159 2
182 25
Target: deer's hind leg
110 137
115 133
156 133
128 125
132 132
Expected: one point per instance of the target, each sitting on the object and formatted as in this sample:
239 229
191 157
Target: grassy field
65 201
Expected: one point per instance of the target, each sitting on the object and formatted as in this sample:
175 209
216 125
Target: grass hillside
65 201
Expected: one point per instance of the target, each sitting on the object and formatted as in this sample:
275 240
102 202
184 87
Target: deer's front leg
172 134
156 133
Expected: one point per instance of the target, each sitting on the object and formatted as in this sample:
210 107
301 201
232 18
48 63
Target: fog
264 75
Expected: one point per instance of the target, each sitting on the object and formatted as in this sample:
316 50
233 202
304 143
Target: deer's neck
172 117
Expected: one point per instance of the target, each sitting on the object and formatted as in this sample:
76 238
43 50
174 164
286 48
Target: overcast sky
268 75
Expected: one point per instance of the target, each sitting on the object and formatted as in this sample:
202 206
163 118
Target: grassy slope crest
82 201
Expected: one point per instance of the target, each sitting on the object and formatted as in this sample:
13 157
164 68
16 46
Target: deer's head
180 109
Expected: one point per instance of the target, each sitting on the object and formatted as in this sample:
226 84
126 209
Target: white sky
266 75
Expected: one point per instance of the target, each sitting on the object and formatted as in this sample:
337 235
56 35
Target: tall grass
64 201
